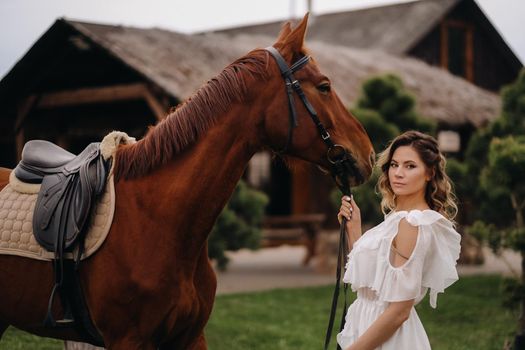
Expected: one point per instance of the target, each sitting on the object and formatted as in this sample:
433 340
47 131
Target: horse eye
324 88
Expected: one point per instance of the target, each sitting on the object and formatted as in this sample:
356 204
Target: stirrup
68 319
66 322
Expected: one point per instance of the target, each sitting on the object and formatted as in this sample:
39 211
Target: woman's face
407 174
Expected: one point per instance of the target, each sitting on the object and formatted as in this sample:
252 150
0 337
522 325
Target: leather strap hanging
342 164
342 252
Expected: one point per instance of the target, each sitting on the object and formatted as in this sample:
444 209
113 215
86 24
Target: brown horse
151 284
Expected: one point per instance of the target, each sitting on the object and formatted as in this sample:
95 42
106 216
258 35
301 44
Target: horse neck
197 183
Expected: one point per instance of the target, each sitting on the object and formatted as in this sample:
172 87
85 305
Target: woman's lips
397 184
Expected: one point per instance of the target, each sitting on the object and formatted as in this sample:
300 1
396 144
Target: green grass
469 316
14 339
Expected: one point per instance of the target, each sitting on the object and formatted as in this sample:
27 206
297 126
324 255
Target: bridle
342 162
342 165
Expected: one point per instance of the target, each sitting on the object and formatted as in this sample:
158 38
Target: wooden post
444 45
156 106
24 108
20 140
301 188
469 54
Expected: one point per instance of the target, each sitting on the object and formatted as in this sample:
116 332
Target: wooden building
80 81
452 34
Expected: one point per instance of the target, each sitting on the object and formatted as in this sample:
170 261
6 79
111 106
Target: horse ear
293 41
285 31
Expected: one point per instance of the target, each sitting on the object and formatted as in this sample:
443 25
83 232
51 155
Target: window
457 48
449 141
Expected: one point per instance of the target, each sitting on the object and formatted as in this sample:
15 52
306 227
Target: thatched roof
392 28
181 63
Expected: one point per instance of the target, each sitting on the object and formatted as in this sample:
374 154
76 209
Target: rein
342 252
342 163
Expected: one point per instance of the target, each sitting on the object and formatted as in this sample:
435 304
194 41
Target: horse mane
190 119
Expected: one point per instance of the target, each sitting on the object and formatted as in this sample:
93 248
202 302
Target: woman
413 250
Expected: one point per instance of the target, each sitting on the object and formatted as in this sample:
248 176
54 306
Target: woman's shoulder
417 217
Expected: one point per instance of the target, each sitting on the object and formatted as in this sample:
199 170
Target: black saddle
70 185
40 158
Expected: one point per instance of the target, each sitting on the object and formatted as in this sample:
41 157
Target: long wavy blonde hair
438 193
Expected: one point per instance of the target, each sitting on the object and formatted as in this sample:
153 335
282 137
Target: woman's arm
351 212
397 312
384 327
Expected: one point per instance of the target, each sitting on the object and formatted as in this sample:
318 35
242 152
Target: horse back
4 177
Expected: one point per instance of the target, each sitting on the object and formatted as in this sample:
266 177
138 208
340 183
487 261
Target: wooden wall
464 34
77 96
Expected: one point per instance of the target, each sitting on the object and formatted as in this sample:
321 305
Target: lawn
469 316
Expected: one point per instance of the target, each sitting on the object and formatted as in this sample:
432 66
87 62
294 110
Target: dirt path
281 267
268 268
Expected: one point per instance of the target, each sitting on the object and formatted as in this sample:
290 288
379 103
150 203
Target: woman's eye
393 165
411 166
324 88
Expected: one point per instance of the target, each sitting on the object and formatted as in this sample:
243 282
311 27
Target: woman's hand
351 212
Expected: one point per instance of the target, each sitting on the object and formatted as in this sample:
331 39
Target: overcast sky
22 22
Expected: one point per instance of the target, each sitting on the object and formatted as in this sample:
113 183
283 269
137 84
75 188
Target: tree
379 130
387 96
239 225
503 175
498 155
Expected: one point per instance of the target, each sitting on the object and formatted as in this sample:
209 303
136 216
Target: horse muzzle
343 168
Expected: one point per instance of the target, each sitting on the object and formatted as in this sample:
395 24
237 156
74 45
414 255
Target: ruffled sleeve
431 265
439 269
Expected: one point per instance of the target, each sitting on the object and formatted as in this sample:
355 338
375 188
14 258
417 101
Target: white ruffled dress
431 266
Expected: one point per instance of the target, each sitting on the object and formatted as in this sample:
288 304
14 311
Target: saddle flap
51 192
66 199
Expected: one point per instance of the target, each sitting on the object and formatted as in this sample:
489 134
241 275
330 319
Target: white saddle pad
16 221
17 203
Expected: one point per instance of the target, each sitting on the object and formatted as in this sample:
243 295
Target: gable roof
392 28
179 64
395 28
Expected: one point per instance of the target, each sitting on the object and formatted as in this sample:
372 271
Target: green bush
387 96
239 225
378 129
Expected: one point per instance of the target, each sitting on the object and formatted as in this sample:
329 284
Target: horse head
289 122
